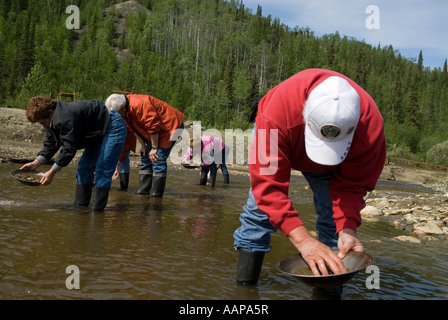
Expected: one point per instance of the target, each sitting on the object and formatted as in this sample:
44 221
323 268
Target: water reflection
178 247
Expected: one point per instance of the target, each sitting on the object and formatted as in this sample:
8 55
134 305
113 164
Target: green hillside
211 59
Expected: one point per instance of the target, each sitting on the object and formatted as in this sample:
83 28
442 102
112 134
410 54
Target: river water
179 247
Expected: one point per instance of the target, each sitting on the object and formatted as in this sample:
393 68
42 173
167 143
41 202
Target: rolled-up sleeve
50 148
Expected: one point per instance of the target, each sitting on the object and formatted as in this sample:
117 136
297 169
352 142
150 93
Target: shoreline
423 215
20 140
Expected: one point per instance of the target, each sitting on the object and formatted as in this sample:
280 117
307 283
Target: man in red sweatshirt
326 126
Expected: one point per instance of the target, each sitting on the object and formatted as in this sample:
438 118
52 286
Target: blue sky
408 25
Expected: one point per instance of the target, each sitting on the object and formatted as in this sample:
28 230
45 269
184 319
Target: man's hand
31 165
47 177
116 173
142 151
348 241
153 155
317 255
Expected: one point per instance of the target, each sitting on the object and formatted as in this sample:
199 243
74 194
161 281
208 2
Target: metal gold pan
189 166
28 177
297 267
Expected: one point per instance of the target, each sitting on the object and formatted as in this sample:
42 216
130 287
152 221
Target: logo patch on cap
330 131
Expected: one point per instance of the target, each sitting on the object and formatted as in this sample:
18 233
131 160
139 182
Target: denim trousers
97 164
255 231
161 165
213 167
125 164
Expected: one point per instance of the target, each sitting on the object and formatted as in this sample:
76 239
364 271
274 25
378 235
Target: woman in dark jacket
72 126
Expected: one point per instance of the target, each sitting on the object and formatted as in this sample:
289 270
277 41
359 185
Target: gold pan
297 267
28 177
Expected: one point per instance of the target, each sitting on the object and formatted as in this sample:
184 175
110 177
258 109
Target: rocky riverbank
423 214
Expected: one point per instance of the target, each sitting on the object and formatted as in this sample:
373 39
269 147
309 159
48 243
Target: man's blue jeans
213 168
97 164
160 166
255 231
125 164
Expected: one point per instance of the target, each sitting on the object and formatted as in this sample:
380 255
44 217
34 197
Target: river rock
400 211
428 228
371 211
381 203
408 238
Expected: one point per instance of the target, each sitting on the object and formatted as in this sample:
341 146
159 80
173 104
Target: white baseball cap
331 115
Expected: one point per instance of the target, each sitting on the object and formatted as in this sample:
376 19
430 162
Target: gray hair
116 102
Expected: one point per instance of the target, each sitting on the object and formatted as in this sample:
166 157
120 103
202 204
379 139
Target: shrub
438 154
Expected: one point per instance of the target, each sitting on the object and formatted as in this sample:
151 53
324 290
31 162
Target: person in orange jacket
157 126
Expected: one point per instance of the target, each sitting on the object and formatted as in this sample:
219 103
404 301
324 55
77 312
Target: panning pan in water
28 177
297 267
189 166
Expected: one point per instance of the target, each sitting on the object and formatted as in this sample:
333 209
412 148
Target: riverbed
180 247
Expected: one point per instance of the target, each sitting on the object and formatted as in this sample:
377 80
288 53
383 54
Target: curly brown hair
39 108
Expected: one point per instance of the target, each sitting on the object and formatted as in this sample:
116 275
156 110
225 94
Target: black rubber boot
226 178
212 179
331 292
124 181
203 180
249 267
100 197
144 182
83 194
159 185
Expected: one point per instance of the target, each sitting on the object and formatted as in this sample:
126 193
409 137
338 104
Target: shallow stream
179 247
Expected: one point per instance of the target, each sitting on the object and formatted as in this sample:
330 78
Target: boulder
371 211
428 228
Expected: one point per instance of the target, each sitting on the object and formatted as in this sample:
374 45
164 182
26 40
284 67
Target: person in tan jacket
157 126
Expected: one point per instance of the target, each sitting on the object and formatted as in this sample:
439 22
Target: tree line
211 59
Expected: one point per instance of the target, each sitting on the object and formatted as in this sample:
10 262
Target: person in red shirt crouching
325 125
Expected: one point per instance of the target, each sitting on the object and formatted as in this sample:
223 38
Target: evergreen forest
211 59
